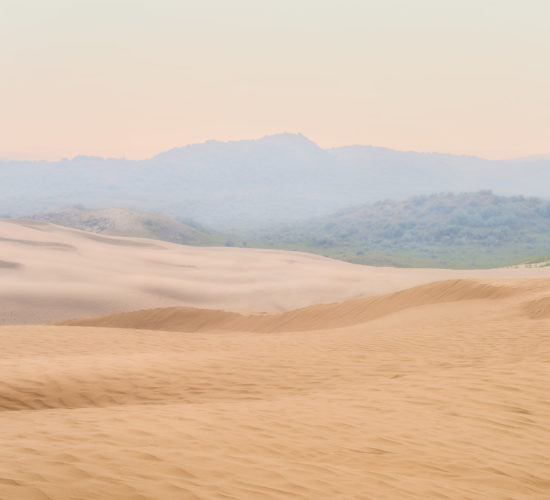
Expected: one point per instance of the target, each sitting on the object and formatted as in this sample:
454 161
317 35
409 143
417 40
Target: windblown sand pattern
440 391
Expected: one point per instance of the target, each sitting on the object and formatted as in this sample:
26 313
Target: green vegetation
473 230
541 261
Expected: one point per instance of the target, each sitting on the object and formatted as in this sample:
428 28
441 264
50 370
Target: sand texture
440 391
51 273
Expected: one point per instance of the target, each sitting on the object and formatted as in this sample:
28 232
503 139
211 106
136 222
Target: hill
125 222
472 230
239 185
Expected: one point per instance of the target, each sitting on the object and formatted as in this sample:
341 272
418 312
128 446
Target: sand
50 273
438 392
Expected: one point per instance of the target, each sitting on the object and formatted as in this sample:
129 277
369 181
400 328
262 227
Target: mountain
124 222
471 230
239 185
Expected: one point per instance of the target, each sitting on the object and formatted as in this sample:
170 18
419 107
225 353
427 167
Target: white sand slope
50 273
436 392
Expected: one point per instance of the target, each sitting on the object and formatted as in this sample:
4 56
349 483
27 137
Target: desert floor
439 391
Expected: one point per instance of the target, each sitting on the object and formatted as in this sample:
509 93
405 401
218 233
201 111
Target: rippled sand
435 392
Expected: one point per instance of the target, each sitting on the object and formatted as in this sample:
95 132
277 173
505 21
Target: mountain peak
284 140
288 139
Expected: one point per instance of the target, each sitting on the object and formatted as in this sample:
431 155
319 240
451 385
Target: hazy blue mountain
240 184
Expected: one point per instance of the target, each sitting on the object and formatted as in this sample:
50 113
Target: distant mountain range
239 185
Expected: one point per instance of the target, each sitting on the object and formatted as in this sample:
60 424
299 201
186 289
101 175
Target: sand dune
356 383
440 391
321 316
50 273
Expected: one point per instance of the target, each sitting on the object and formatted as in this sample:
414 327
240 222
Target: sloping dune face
440 391
323 316
50 273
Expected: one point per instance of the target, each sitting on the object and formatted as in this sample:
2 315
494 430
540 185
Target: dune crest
317 317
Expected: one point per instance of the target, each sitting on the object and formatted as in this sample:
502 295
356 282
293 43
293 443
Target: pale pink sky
125 78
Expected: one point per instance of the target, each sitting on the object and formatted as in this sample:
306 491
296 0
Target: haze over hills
254 183
468 230
125 222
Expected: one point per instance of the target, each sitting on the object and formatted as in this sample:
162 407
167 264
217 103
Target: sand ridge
321 316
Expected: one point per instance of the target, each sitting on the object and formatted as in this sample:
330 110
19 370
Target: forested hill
449 230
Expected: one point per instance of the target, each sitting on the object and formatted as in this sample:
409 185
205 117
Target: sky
131 78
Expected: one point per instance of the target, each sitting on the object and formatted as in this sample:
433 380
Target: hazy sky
132 78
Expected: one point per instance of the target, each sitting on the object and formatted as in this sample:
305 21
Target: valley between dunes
356 383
